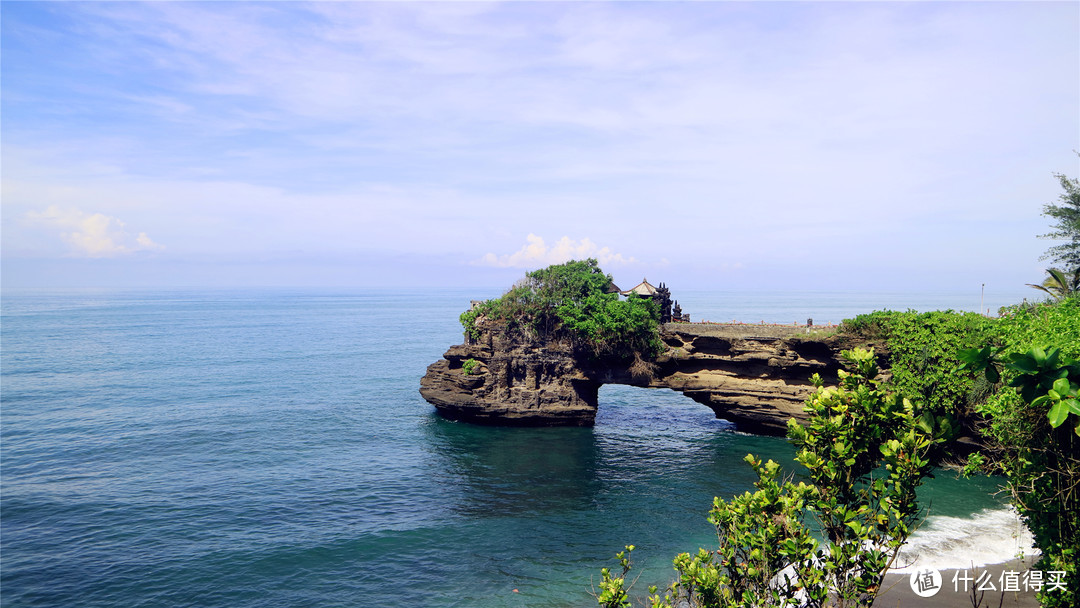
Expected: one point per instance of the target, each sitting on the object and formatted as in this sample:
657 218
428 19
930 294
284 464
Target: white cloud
722 131
537 254
93 235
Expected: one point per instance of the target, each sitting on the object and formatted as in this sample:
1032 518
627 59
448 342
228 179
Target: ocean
271 448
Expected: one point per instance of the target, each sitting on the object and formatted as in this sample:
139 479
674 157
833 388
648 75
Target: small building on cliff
661 295
643 289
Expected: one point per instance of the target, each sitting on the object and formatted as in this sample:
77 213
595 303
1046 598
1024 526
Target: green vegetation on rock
1022 404
923 357
1014 380
574 300
469 365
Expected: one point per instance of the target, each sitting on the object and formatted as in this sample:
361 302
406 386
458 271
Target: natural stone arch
664 404
756 377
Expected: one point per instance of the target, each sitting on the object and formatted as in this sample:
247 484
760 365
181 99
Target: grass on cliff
573 300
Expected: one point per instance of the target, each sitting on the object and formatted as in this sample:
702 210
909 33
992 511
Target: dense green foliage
923 355
1024 400
1021 404
1025 404
1023 327
767 555
1033 422
573 300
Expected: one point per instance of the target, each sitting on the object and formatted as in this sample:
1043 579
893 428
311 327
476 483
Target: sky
710 145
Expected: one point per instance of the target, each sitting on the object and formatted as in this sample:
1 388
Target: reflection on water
515 471
652 442
555 504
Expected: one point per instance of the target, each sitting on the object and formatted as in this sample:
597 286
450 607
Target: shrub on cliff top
923 354
572 299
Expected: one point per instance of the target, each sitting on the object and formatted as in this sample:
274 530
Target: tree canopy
1067 216
575 300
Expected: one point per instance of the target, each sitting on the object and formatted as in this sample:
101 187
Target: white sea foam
992 536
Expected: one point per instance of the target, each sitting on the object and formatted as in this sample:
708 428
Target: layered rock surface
755 376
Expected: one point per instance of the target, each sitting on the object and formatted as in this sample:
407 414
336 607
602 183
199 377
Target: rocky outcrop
755 376
517 380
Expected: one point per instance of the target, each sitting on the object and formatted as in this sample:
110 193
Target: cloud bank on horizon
901 146
92 235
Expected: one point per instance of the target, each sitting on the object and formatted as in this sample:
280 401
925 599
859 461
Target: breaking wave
991 536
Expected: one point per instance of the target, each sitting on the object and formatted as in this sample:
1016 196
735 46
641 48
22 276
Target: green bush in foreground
767 555
1033 424
1021 405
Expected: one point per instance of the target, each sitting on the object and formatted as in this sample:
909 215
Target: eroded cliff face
757 377
518 380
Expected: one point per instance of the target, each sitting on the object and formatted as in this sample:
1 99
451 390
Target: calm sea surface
271 448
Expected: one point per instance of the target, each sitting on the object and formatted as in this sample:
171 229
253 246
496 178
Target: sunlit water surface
270 448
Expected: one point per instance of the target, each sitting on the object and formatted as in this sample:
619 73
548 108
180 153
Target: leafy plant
762 537
924 355
1044 378
469 365
614 593
767 555
1059 284
853 430
1035 368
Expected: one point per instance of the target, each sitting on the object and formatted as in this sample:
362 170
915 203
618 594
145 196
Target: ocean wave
991 536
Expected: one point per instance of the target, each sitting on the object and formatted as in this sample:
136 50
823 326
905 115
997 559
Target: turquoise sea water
270 448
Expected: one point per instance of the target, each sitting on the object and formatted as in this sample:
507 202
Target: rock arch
755 376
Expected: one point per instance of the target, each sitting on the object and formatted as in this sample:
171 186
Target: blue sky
898 146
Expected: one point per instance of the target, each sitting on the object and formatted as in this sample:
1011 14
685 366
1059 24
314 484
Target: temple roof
642 289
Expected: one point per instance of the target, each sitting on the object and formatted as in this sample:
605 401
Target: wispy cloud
93 235
789 130
536 253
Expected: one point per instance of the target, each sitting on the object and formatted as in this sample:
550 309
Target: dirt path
747 330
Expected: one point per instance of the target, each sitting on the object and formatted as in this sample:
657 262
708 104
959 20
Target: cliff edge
755 376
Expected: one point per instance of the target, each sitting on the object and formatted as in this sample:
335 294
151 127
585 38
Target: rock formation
755 376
